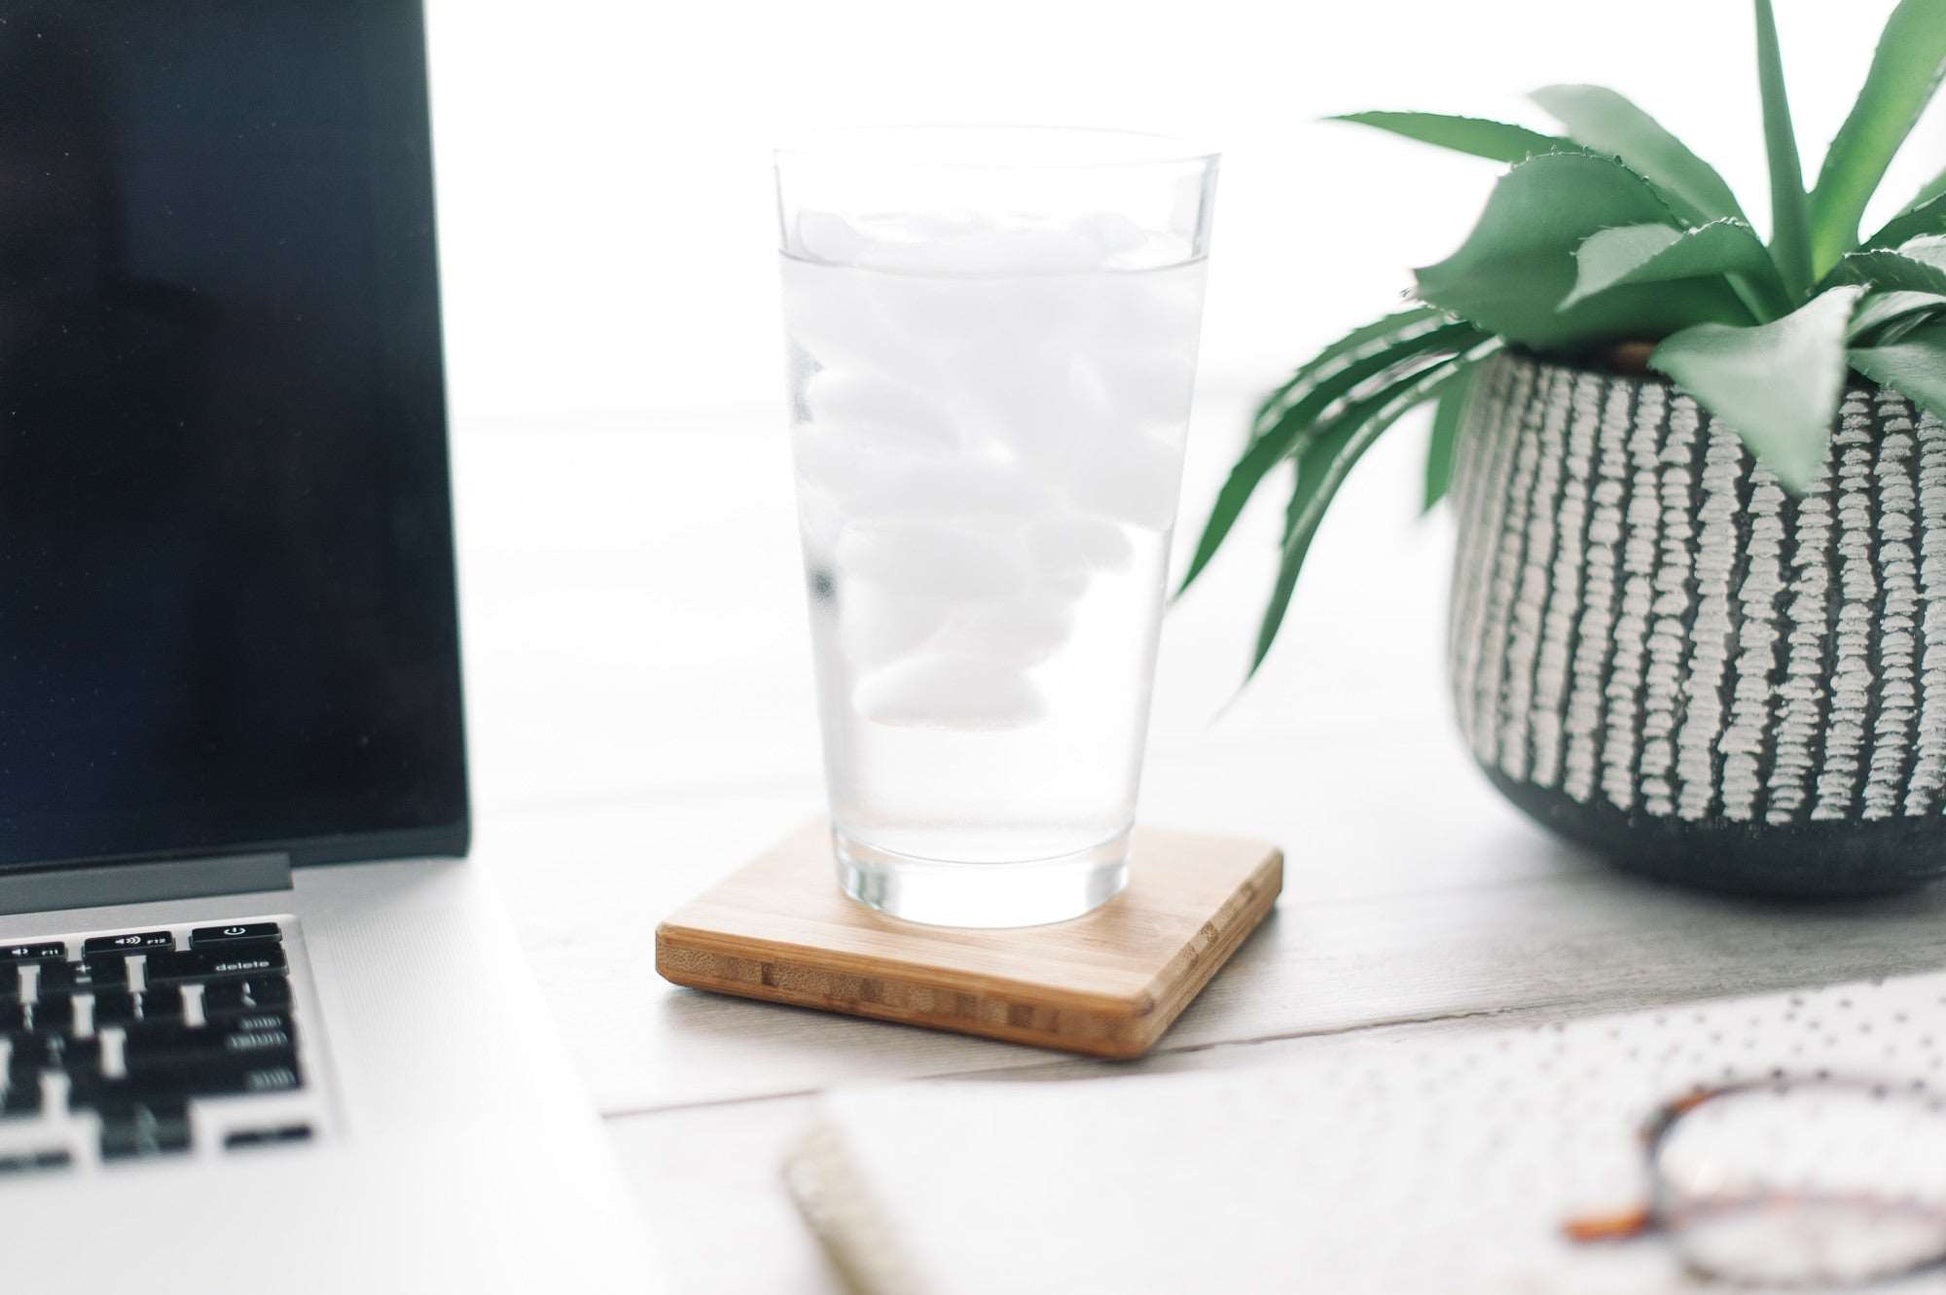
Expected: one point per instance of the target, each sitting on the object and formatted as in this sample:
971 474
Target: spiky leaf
1914 366
1605 120
1936 188
1442 452
1497 141
1790 207
1777 385
1519 261
1376 336
1886 316
1656 253
1892 270
1930 248
1921 218
1905 72
1329 458
1296 424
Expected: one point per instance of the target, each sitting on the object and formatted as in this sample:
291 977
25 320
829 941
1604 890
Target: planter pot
1656 651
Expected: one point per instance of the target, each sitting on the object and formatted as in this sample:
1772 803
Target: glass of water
992 341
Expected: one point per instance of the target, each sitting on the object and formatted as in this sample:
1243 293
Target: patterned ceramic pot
1658 652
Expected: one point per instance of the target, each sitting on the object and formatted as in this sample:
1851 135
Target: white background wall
604 163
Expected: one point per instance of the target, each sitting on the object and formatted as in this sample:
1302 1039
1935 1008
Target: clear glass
992 341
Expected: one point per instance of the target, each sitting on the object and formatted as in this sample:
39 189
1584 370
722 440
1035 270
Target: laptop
260 1025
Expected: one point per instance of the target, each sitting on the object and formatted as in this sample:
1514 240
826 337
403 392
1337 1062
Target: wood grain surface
1108 984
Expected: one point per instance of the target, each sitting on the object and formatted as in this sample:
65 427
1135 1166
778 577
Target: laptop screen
226 586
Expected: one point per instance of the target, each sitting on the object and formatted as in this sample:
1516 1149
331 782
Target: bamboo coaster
1107 984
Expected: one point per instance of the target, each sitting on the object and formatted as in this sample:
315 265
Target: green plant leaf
1656 253
1443 451
1935 189
1930 248
1893 270
1329 458
1519 261
1777 385
1914 366
1378 335
1299 421
1607 121
1498 141
1905 72
1790 206
1928 217
1886 316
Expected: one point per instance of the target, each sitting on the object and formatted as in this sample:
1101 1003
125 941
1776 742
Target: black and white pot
1657 651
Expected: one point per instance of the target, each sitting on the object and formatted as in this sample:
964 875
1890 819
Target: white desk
642 722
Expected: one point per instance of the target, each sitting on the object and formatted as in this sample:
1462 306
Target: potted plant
1699 604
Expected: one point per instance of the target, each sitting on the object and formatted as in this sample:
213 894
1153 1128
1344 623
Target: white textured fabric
1443 1163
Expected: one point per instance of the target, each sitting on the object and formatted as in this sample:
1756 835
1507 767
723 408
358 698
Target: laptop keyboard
121 1047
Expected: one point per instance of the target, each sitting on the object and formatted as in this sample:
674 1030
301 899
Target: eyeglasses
1780 1182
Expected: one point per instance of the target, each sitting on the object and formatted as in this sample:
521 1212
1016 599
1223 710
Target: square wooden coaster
1107 984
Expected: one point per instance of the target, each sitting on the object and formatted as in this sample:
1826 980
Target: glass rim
869 144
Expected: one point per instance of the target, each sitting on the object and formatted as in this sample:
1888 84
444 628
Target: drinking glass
992 341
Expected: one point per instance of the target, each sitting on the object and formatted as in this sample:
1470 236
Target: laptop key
243 997
98 972
134 942
166 1047
238 1138
42 952
161 1003
204 937
148 1126
113 1007
22 1162
22 1099
48 1014
201 1077
229 962
50 1050
120 1007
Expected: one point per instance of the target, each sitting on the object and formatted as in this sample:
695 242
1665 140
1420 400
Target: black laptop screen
226 591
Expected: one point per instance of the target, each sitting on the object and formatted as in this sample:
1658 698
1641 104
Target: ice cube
1147 385
868 483
819 523
884 410
838 467
947 691
1133 477
987 253
876 627
1148 311
1110 233
943 487
1019 631
835 316
956 562
828 237
1077 544
1115 464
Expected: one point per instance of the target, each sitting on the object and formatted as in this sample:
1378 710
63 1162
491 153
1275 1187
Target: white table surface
642 722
